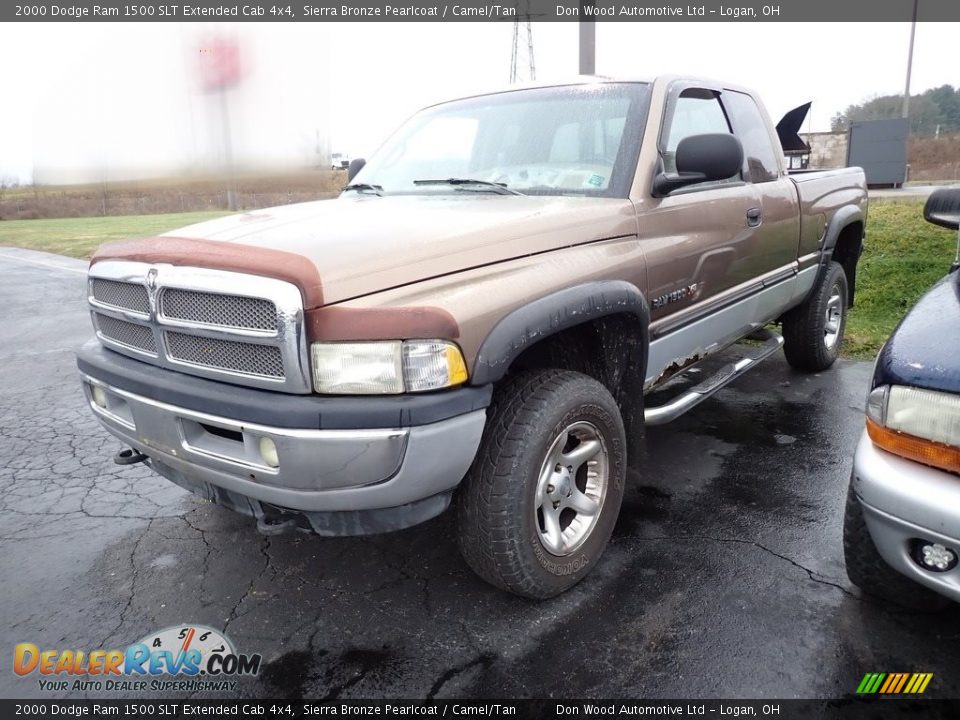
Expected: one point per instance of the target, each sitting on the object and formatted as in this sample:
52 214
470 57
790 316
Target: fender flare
554 313
843 217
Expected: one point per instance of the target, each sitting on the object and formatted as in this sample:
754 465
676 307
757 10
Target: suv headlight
386 367
921 425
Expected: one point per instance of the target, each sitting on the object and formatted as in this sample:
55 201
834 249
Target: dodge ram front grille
239 328
240 357
132 335
235 311
122 295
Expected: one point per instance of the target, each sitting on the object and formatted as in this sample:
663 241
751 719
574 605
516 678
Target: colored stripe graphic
901 683
915 681
894 683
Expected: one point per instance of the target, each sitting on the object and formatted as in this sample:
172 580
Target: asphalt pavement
724 578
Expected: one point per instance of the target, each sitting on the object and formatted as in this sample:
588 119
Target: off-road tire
498 527
871 573
805 326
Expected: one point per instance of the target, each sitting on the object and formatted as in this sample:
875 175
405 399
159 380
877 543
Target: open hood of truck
365 244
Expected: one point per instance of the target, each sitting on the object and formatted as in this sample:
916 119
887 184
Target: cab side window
695 112
759 157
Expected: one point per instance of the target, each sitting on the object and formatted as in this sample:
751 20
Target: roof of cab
595 80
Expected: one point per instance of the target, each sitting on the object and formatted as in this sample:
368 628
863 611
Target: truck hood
365 244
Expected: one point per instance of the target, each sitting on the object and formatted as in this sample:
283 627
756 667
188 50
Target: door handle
754 217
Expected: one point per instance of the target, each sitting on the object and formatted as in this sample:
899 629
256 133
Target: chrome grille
240 357
128 296
126 333
229 326
237 311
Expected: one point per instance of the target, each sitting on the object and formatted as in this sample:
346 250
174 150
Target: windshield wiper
499 188
361 187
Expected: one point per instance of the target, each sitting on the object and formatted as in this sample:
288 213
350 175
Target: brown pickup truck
477 318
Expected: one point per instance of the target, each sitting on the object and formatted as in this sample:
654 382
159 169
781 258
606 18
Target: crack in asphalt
134 576
482 660
812 574
898 615
265 552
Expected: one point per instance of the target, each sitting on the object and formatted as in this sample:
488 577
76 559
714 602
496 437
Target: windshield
570 140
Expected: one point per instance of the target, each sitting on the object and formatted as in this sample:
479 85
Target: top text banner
853 11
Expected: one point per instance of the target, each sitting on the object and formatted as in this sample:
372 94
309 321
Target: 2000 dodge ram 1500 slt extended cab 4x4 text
476 318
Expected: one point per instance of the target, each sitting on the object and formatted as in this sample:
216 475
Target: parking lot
724 578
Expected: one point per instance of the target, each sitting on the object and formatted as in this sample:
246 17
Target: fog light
268 451
936 557
99 396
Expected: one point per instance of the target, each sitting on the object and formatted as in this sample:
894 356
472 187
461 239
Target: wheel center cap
563 484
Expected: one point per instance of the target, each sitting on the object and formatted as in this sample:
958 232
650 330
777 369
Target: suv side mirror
356 165
943 208
701 158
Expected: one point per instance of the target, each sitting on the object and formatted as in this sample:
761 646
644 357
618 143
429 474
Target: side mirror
355 166
701 158
943 208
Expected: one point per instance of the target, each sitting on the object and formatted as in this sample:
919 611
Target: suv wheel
870 572
539 503
813 331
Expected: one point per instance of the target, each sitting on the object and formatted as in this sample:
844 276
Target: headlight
386 367
921 425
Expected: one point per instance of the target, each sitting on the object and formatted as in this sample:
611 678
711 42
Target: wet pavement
724 578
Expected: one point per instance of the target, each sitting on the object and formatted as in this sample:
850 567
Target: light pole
588 40
906 90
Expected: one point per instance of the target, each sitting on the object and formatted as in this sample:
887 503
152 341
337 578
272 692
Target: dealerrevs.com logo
184 658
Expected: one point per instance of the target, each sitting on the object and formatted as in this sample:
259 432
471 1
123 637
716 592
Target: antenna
516 74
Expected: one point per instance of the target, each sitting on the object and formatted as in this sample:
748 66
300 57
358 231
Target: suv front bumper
904 501
344 467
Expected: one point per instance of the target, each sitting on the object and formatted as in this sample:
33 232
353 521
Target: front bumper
904 501
346 479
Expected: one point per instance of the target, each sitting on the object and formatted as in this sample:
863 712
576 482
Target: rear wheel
538 506
813 331
870 572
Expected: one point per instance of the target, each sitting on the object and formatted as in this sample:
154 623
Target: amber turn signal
928 452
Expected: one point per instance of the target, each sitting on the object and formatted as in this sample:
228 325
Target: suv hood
365 244
922 351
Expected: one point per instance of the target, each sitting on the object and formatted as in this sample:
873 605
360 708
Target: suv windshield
569 140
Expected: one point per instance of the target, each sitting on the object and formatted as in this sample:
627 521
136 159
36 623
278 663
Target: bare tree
6 182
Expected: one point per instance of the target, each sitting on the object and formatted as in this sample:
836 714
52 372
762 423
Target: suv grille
240 338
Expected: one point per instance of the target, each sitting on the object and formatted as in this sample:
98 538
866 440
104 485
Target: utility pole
516 73
906 90
588 40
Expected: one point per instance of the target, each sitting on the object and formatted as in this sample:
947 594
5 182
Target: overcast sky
89 101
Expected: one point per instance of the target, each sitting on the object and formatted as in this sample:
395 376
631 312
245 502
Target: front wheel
537 507
870 572
813 331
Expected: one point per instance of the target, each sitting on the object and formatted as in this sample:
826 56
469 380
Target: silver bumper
318 471
902 501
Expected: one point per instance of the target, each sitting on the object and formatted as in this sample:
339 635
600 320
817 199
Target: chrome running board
727 374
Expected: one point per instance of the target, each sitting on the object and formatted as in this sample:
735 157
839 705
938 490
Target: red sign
219 63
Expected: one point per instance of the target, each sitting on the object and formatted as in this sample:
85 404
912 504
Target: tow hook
129 456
